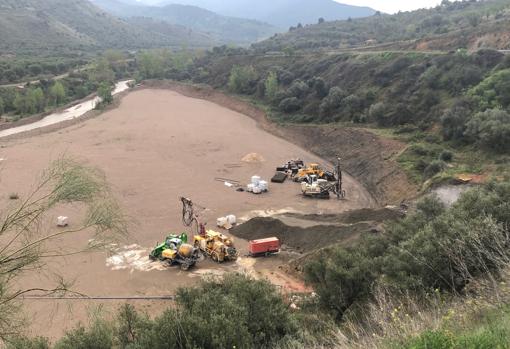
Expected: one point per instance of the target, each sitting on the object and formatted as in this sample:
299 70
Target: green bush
446 156
243 79
434 168
99 336
453 122
28 343
332 103
290 105
491 128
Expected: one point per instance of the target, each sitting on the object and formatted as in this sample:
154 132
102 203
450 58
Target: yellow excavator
313 170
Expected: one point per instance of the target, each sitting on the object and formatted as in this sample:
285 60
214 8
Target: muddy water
449 194
156 146
71 113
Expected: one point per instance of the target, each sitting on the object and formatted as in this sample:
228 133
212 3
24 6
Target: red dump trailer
264 247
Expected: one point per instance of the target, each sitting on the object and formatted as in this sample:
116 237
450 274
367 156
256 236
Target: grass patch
491 329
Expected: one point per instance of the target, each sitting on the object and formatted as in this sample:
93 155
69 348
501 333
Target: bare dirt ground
366 156
156 146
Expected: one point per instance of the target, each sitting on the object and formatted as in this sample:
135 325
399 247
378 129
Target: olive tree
26 244
491 128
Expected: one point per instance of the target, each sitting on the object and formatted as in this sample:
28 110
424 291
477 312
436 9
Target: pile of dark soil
300 239
354 216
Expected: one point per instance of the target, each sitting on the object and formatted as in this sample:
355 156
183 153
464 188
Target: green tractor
176 250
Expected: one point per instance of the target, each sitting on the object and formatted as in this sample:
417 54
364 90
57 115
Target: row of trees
419 88
32 99
49 94
25 69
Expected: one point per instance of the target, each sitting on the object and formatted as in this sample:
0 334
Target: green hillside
32 26
467 24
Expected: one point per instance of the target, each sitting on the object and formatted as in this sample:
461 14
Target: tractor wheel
215 257
185 266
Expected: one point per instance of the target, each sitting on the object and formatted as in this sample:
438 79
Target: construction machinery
320 188
291 167
264 247
220 248
313 170
176 250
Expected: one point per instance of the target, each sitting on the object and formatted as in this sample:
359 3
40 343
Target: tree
321 20
58 93
37 96
26 245
242 79
290 105
453 122
298 89
2 106
105 93
319 86
491 128
271 86
102 72
332 103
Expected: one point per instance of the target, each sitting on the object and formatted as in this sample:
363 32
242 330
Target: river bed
73 112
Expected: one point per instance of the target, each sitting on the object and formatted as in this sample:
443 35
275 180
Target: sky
393 6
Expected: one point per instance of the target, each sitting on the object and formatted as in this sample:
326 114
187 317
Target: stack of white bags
257 185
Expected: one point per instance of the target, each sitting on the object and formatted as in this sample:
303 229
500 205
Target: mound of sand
297 238
253 157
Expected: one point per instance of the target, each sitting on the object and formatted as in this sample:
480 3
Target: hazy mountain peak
281 13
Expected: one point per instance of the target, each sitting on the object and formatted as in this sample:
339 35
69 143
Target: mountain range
38 26
222 29
279 13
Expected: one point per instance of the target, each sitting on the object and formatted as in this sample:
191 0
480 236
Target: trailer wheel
185 266
215 257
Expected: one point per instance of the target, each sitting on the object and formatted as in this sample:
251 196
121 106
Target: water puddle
449 194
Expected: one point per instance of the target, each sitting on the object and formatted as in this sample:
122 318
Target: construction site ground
154 147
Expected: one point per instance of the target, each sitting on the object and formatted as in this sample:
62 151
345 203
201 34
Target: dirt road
156 146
